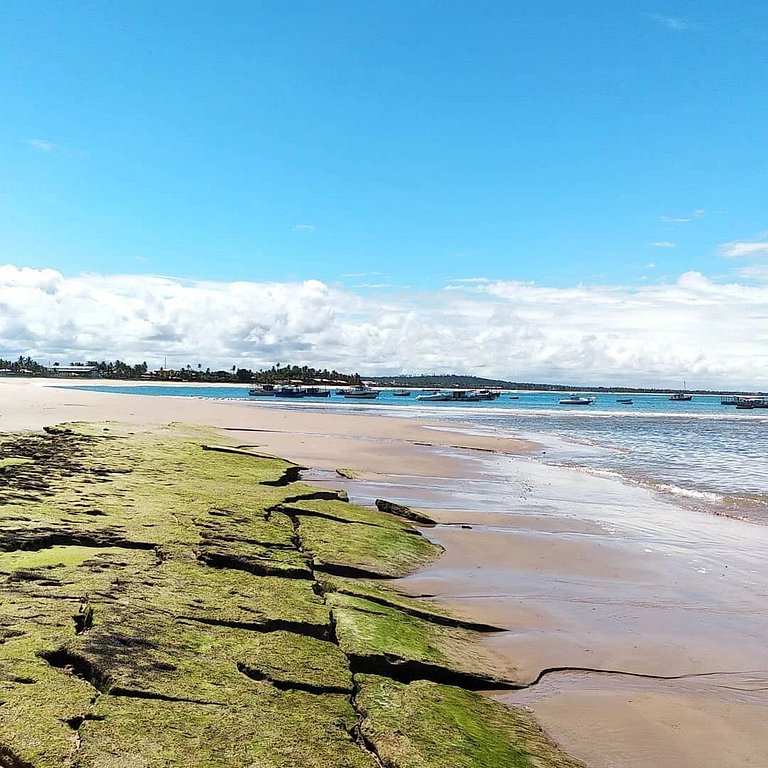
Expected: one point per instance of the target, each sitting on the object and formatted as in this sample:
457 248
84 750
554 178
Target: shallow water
704 455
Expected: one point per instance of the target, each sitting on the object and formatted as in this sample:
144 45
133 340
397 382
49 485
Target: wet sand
590 574
321 440
603 581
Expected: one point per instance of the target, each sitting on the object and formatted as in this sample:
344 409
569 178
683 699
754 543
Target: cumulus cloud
650 334
739 249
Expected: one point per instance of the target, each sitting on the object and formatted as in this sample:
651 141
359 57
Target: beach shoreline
563 560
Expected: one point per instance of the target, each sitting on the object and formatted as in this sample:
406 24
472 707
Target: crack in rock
288 685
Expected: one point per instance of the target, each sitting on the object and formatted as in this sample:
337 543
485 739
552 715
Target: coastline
578 587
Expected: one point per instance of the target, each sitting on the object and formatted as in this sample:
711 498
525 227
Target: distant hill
455 381
459 381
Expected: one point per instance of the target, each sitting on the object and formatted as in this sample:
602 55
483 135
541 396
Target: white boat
451 395
361 393
401 393
577 400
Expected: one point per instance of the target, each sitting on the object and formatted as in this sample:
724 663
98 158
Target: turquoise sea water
703 454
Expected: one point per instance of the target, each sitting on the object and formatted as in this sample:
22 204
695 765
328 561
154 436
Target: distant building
73 371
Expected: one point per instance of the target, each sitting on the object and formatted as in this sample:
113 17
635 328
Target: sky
552 191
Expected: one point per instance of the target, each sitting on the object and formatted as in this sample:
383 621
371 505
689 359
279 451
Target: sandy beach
640 626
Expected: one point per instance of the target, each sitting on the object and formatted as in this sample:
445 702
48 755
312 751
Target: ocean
701 454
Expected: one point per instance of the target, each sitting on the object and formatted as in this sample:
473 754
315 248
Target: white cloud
741 248
304 228
41 144
685 219
672 22
664 244
642 334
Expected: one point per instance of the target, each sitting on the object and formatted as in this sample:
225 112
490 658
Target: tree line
118 369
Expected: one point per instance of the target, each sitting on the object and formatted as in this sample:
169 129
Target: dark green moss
432 726
160 605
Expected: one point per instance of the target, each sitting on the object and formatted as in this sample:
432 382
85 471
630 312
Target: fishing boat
289 391
624 401
361 393
315 392
487 394
681 397
577 400
266 390
451 395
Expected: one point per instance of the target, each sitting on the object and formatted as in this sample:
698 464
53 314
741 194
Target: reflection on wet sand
590 574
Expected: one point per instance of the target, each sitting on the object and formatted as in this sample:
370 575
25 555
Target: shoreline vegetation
118 370
169 600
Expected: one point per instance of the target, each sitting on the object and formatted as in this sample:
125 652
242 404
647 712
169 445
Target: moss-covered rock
389 641
276 729
351 549
167 601
384 594
424 725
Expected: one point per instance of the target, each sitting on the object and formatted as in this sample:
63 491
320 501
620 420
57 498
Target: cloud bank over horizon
713 334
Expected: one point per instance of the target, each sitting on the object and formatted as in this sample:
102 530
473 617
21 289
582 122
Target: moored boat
577 400
624 401
266 390
315 392
401 393
361 393
451 395
289 391
681 397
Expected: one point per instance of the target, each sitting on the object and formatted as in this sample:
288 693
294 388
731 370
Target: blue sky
551 142
390 150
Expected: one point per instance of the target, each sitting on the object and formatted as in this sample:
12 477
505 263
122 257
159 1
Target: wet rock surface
165 601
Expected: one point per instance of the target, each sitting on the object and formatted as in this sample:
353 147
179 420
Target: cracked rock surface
168 601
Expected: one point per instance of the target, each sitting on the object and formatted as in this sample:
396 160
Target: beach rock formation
402 511
164 604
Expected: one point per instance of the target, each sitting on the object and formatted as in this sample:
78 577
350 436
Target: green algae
161 605
426 725
390 637
383 593
56 555
279 729
354 549
294 661
346 512
37 704
11 461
